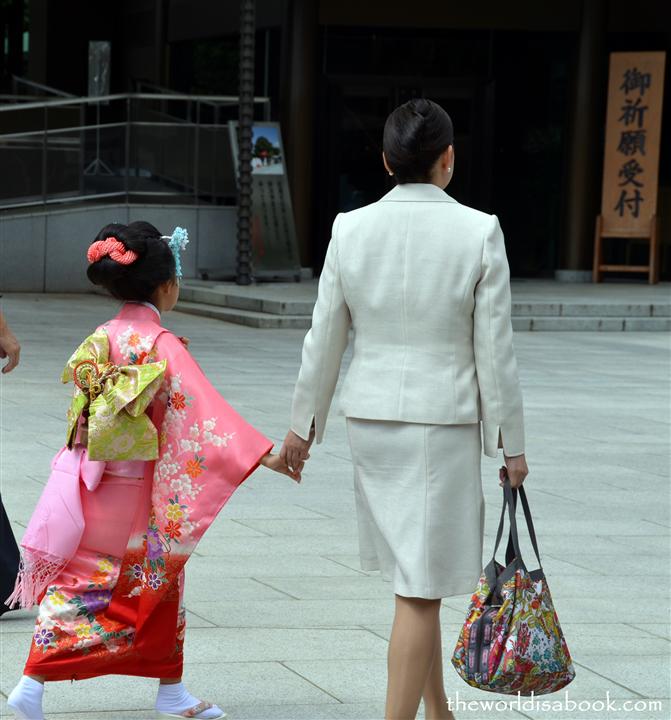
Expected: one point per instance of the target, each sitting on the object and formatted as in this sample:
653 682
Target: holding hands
276 463
291 459
295 450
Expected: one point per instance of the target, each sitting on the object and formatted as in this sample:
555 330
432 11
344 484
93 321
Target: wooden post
596 271
653 272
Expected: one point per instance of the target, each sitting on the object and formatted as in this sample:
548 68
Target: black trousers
9 558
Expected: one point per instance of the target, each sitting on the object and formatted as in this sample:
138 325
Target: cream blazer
423 282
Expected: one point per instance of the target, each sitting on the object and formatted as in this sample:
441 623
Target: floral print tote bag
511 641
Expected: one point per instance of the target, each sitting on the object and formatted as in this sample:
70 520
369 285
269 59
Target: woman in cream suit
423 283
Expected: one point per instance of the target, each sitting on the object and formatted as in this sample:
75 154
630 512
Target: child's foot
25 700
174 700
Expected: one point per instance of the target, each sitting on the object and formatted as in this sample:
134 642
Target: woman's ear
386 164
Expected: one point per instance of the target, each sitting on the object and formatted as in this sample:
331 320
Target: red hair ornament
113 248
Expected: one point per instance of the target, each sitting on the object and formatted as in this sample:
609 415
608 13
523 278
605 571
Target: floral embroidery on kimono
134 348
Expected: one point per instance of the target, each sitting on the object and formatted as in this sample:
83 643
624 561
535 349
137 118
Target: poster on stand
274 247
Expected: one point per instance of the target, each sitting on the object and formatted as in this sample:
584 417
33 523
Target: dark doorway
352 113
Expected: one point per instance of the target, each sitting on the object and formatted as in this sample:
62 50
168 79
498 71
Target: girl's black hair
137 281
415 135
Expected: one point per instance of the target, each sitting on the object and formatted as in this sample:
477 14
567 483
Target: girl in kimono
152 454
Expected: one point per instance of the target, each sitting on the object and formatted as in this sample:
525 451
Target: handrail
209 99
122 123
93 157
152 86
91 100
206 99
46 88
13 97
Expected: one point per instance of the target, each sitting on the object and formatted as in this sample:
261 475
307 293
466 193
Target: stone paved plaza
283 623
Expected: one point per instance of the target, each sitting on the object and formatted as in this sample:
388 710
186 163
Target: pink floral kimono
130 496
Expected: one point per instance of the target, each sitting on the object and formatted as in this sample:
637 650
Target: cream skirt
420 505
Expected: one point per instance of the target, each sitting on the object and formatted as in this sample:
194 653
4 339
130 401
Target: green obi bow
114 399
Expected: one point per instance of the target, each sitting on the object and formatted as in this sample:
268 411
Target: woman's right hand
517 469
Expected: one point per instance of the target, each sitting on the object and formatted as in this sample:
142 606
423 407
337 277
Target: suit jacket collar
417 192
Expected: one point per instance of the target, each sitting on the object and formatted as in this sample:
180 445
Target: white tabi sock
175 699
25 700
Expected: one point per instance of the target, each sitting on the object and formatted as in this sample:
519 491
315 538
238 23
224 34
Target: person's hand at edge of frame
9 346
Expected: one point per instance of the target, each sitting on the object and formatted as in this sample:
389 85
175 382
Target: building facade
524 82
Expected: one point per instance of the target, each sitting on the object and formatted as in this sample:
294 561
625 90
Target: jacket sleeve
323 349
500 395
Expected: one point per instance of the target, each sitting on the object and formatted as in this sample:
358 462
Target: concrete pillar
583 178
297 110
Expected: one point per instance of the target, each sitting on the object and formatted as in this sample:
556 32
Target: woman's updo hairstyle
136 280
415 135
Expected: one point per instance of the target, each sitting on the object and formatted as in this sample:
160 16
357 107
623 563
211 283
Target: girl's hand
276 463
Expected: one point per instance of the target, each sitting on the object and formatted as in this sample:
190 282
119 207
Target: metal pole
44 156
127 149
246 119
196 154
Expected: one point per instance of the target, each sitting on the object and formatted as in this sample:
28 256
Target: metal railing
168 146
21 86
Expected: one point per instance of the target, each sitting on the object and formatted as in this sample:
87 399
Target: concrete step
290 305
522 323
251 318
590 323
594 309
226 296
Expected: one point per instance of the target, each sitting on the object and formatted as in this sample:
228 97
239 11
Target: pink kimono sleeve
204 443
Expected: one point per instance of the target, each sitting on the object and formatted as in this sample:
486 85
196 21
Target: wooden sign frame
631 159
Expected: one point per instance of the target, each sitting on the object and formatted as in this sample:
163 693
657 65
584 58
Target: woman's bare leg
411 653
435 699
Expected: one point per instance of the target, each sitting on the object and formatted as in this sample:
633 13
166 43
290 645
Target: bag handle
509 502
510 499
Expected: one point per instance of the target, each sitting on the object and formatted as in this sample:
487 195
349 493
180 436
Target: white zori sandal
199 712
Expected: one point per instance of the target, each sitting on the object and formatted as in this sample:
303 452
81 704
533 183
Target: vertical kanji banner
633 128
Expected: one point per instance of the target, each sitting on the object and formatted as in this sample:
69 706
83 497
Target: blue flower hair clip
177 242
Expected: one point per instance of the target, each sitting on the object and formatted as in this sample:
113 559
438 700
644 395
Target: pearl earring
390 172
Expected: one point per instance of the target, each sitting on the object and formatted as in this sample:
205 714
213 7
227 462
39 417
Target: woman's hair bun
138 280
415 135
